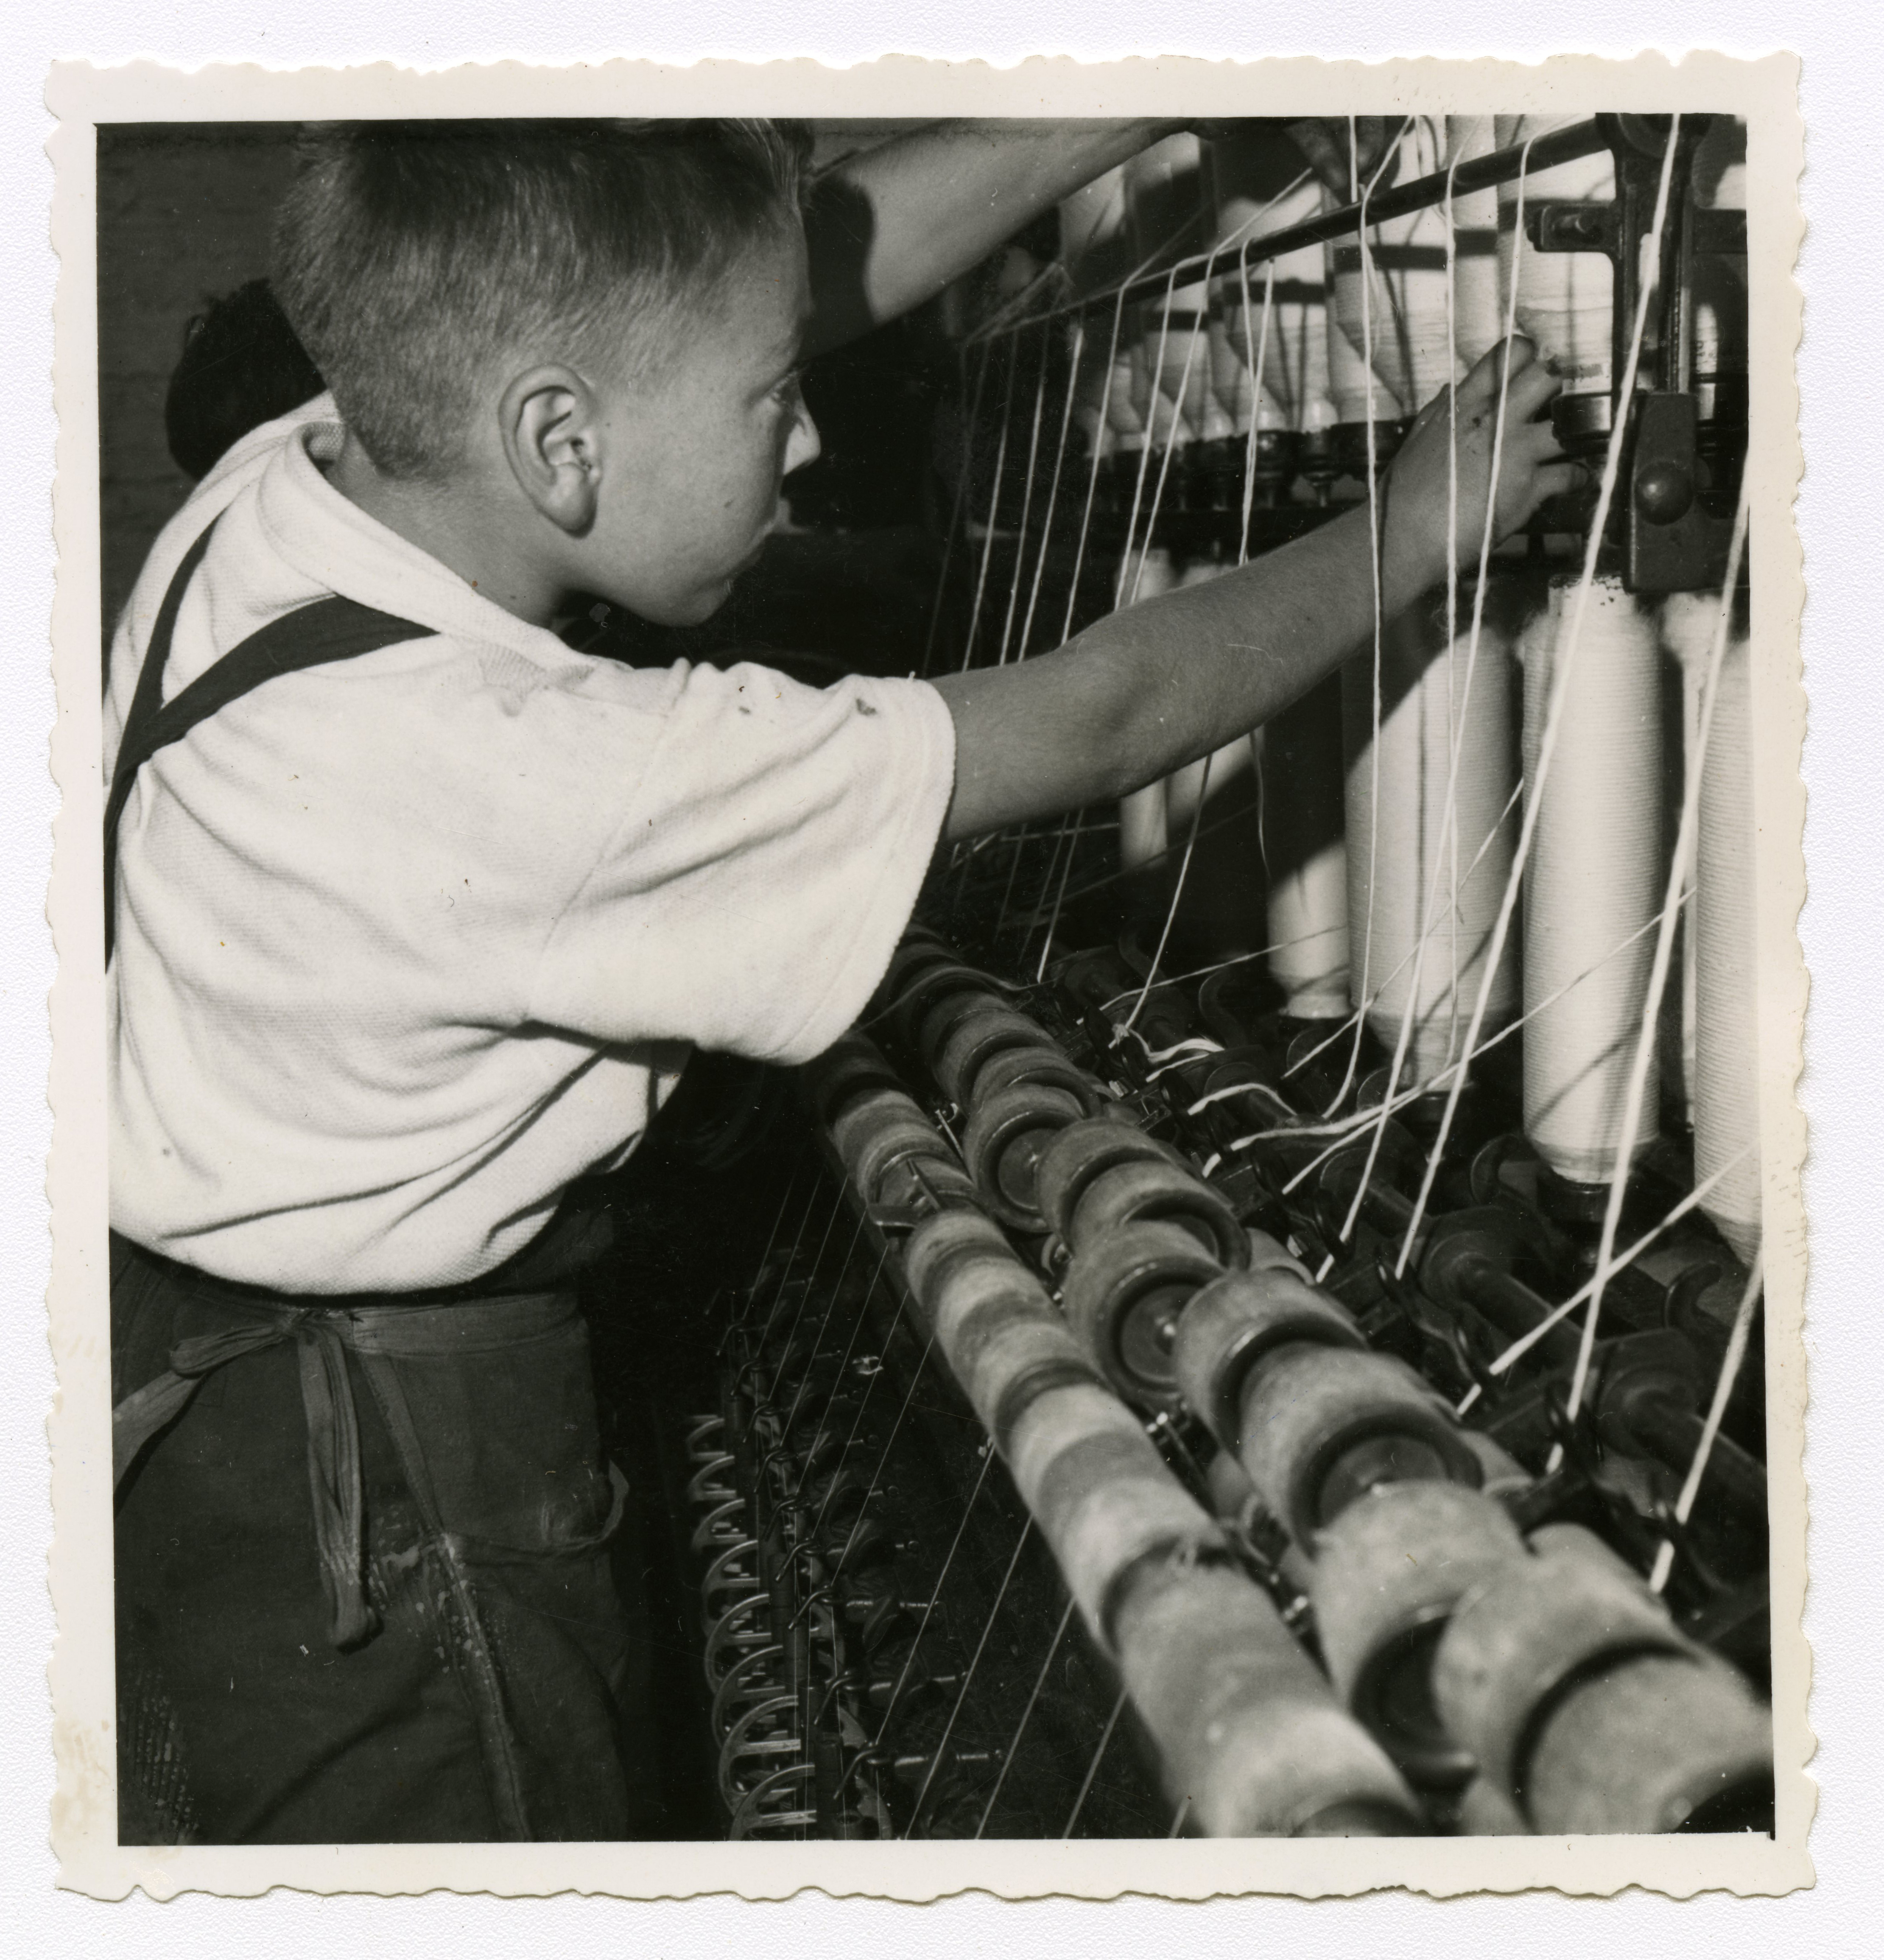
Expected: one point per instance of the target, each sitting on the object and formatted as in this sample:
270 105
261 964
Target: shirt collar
331 540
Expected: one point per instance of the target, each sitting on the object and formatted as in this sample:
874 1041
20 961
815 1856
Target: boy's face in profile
698 449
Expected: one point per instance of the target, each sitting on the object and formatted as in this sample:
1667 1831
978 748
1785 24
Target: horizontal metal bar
1559 146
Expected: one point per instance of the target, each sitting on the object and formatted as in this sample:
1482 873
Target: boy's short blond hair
416 260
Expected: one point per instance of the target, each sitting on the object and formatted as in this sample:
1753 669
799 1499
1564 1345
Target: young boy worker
413 914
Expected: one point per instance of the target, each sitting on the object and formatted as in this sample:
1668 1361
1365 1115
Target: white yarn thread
1682 627
1304 843
1721 927
1186 788
1565 300
1478 312
1594 876
1424 695
1143 829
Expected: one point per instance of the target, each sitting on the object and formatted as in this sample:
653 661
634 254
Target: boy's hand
1531 468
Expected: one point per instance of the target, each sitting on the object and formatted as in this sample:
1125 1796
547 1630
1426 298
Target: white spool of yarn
1143 828
1596 876
1301 820
1348 383
1160 421
1294 359
1406 314
1420 867
1182 344
1477 297
1721 925
1565 300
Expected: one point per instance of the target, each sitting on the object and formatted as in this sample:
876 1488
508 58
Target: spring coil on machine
805 1627
1329 1605
837 1652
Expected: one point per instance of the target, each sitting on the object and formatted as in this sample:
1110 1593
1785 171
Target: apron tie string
322 1336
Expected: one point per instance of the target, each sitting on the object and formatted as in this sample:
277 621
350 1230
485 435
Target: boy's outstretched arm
889 228
1154 686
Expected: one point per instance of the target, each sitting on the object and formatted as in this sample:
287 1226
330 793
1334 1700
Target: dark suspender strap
312 636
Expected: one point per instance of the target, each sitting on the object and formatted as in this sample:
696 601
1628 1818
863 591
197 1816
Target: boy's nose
802 446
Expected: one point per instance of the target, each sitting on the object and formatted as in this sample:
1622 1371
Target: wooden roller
1584 1705
1102 1497
1231 1324
1251 1736
1124 1293
1003 1342
1388 1574
1321 1426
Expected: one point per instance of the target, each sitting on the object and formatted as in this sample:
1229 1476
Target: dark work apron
363 1584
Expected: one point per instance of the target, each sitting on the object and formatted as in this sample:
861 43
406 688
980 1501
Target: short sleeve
767 863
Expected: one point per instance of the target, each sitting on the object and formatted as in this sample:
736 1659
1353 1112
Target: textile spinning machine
1256 1342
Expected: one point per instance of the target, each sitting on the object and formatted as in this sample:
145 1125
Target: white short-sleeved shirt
406 942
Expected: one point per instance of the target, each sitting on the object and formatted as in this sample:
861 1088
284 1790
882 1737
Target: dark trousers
492 1697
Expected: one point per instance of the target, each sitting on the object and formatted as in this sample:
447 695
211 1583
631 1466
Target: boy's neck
469 533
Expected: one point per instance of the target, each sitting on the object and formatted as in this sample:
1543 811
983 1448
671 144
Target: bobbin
1007 1135
1131 1193
928 984
1319 1426
1388 1573
1010 1067
975 1039
1003 1343
1594 881
1546 1662
1083 1151
851 1066
1231 1323
1123 1293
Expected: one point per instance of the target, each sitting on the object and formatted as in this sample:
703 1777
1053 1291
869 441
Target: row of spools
1514 1684
1284 356
1389 858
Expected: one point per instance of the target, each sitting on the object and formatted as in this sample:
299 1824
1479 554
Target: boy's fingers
1533 442
1529 390
1559 480
1481 385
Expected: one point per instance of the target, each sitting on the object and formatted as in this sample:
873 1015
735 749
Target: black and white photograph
945 986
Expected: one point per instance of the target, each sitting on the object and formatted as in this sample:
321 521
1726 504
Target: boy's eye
787 393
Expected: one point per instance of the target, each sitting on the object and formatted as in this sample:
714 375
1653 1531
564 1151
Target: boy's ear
550 426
